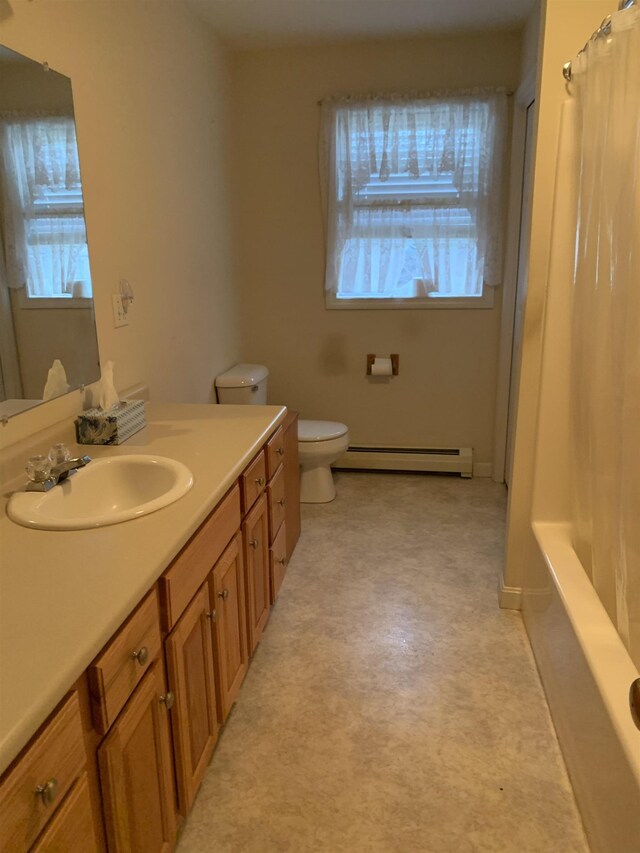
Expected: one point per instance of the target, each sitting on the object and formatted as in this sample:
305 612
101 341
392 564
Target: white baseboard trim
483 469
509 597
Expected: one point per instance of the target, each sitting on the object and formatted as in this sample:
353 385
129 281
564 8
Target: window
43 210
413 200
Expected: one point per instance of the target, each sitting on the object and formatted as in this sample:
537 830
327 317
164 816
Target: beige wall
567 25
445 393
151 88
530 41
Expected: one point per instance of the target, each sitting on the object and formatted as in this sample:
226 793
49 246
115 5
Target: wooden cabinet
252 481
189 570
278 562
72 828
131 703
194 716
226 585
277 502
124 661
136 772
255 538
283 491
126 737
291 482
35 786
275 451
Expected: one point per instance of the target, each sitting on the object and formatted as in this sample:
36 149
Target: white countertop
63 594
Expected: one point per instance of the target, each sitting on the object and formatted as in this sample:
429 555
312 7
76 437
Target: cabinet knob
280 451
167 700
224 594
260 481
141 655
634 701
211 614
254 543
281 501
48 791
282 561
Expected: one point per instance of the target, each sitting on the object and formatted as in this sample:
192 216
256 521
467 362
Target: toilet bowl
319 442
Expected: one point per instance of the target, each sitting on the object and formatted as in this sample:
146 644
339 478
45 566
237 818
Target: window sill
428 303
47 303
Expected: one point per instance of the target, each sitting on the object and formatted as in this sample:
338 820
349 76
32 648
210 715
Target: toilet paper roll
382 367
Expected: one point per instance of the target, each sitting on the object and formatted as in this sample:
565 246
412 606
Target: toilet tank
243 384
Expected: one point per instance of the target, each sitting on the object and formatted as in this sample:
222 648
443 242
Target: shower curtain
605 368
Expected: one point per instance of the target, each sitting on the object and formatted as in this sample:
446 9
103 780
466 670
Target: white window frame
57 204
437 301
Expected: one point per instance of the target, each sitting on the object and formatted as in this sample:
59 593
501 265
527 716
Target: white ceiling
246 24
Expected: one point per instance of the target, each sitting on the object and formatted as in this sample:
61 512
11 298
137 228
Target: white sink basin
106 491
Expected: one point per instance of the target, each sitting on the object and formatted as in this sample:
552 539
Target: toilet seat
320 430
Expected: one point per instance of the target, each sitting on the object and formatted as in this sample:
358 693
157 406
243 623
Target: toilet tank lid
241 375
320 430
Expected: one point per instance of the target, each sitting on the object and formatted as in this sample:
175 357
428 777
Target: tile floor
391 707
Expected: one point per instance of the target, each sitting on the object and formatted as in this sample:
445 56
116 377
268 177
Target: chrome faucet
43 475
69 466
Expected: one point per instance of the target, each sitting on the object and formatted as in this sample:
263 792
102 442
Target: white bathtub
586 672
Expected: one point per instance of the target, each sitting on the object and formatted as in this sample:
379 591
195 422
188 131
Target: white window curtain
43 215
413 195
605 367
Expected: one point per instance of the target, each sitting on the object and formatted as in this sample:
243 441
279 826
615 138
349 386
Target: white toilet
319 442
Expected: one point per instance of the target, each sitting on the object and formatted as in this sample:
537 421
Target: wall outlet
119 314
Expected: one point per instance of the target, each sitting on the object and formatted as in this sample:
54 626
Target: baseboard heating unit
449 460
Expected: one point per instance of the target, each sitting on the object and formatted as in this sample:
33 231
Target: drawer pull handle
224 594
48 791
280 451
260 481
168 700
281 501
141 655
254 543
211 614
282 561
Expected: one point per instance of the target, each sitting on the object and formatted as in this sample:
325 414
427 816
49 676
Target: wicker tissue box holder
95 426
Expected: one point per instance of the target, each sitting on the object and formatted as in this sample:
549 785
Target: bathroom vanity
124 647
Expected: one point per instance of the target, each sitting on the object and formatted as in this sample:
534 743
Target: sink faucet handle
38 468
59 453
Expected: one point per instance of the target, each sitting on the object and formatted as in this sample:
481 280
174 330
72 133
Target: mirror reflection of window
44 260
45 238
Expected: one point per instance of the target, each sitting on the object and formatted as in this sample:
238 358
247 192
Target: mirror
46 304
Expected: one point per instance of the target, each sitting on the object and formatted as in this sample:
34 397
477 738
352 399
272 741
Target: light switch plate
119 314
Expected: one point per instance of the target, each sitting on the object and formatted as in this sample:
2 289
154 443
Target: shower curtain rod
603 30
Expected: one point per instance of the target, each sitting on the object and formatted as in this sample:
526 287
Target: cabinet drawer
115 673
56 757
278 562
186 575
276 498
275 452
72 827
253 481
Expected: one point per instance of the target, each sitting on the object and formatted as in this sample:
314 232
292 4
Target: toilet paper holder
395 363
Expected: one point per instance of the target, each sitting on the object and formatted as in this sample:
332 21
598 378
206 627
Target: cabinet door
256 550
72 826
278 556
230 634
277 503
194 718
291 481
136 773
